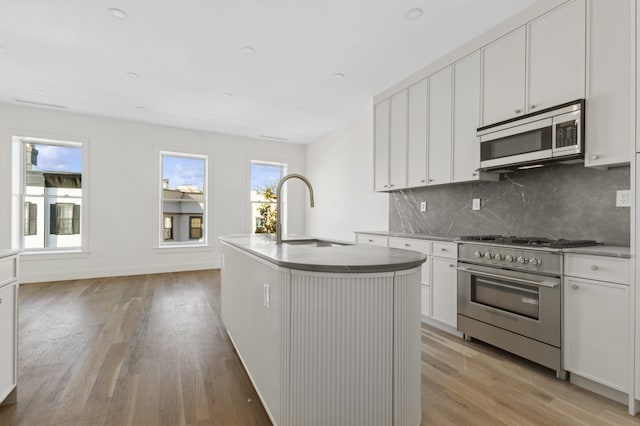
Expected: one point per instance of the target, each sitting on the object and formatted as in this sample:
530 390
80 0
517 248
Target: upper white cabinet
381 146
556 57
609 123
398 141
503 78
439 132
537 66
417 145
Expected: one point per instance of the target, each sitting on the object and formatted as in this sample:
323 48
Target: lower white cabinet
596 331
426 301
8 328
444 291
373 240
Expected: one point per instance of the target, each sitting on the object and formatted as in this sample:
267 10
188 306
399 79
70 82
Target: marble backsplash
561 201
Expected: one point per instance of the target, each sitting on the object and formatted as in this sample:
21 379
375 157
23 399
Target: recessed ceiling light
338 75
227 95
39 91
140 107
118 13
415 13
133 74
298 109
248 50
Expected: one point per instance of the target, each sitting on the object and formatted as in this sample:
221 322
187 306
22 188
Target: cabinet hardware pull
595 157
574 286
474 174
443 249
370 241
518 111
423 180
407 245
452 266
532 106
594 267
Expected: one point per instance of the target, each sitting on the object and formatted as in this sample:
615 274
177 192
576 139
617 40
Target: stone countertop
349 258
610 251
408 235
8 252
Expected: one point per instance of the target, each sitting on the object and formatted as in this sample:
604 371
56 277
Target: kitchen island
328 332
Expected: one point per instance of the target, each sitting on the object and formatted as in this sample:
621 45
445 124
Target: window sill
182 248
35 255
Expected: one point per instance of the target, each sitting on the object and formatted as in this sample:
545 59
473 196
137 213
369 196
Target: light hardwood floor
151 350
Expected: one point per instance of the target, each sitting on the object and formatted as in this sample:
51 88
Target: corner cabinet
8 328
597 319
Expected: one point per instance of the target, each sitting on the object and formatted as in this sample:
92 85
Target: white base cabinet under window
8 327
597 320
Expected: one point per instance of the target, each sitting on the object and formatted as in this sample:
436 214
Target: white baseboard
441 326
44 276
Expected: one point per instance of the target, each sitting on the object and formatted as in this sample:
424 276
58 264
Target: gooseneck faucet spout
279 202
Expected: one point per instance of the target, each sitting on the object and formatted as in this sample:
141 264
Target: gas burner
528 241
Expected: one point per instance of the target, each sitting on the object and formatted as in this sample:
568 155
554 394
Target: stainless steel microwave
550 135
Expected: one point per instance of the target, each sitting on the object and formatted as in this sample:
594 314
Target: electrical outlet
423 206
623 198
475 205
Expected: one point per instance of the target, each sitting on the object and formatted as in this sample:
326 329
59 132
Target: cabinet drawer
410 244
8 269
374 240
442 249
602 268
426 301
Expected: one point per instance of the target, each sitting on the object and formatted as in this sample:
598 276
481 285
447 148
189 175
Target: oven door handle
512 287
502 277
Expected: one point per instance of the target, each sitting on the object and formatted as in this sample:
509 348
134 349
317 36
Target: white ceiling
188 53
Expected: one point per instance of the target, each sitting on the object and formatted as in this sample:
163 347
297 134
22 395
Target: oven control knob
487 255
522 259
497 256
509 258
535 261
477 253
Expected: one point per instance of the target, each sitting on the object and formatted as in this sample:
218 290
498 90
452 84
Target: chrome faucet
279 202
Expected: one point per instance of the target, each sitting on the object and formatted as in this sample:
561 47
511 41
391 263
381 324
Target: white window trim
18 178
285 171
160 243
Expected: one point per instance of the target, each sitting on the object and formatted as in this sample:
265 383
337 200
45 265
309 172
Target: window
195 227
168 228
183 191
30 218
52 185
264 180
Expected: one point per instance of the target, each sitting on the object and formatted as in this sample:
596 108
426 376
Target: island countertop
339 258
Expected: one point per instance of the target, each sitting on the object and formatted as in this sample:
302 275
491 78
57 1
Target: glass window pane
264 180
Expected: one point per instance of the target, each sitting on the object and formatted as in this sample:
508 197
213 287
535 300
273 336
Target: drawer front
374 240
602 268
442 249
410 244
8 269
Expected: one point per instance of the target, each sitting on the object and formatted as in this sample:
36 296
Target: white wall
123 171
340 168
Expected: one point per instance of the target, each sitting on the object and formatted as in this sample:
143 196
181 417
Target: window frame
204 240
254 204
30 220
19 185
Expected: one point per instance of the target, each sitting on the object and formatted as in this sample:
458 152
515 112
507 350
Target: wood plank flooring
151 350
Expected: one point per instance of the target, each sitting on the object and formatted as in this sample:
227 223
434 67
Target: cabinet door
596 330
8 330
439 146
608 132
444 291
466 118
556 58
503 83
398 141
381 146
417 150
426 302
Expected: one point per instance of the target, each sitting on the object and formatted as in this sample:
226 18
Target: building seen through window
52 194
183 179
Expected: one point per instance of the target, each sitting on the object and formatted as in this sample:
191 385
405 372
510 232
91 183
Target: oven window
506 296
535 140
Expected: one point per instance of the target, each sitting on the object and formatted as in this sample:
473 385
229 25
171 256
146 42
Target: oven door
523 303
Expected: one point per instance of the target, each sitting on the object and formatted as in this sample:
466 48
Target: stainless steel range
510 295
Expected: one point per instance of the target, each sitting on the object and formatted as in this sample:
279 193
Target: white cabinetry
609 123
596 319
503 78
8 328
398 141
423 246
372 240
381 146
537 66
417 145
444 279
439 132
